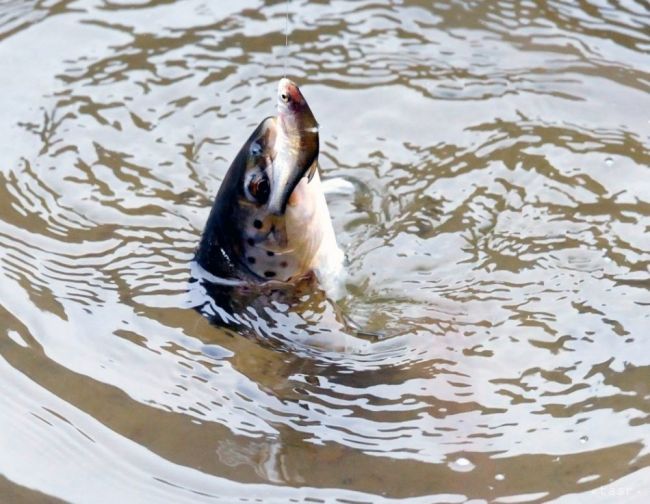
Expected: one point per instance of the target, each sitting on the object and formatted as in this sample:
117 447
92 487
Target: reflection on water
498 232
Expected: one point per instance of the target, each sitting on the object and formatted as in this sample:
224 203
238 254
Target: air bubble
461 464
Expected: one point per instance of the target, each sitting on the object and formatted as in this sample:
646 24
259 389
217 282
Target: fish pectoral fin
312 170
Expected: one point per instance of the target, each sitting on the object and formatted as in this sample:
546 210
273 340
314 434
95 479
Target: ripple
491 328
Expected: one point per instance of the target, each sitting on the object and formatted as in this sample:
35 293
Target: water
497 236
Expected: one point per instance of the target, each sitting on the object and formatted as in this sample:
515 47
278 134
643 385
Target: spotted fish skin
270 220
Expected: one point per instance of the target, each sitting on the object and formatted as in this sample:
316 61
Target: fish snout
289 96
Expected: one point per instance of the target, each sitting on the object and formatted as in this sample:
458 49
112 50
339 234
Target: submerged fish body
270 220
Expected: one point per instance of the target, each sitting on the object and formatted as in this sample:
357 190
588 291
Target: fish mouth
284 183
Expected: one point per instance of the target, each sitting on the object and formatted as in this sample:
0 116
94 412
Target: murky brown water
499 231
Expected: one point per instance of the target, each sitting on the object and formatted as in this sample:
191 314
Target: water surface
498 236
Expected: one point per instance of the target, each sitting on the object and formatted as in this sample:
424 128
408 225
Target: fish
270 223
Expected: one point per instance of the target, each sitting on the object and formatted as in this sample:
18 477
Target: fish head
278 237
291 104
270 213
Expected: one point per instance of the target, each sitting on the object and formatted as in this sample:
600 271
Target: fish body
270 220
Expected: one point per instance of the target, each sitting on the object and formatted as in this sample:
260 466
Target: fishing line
286 37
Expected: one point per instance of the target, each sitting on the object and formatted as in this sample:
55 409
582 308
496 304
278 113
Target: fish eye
285 98
255 149
259 188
